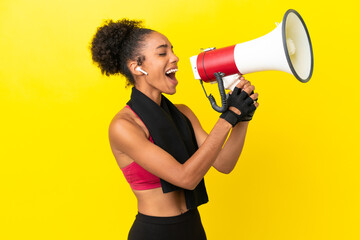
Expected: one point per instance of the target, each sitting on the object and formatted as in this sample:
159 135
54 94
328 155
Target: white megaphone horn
287 48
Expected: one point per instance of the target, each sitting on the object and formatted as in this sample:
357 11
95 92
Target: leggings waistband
192 213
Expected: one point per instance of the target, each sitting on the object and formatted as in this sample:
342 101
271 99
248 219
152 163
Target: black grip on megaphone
224 106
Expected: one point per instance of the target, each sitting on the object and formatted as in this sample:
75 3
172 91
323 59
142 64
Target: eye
162 54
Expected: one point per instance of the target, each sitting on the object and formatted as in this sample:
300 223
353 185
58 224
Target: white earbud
140 70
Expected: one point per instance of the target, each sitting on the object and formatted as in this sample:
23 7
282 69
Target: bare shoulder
124 125
124 117
199 131
186 111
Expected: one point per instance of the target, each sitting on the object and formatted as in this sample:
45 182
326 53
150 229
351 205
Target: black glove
243 102
248 117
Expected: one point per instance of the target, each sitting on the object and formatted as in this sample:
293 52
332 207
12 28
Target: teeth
172 71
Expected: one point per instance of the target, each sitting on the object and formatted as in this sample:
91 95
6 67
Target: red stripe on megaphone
217 60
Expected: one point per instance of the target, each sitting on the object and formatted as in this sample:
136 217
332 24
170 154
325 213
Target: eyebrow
164 46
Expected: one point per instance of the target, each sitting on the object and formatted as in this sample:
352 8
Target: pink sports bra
138 177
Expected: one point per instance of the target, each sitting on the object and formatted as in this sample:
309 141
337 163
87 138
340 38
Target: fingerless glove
241 101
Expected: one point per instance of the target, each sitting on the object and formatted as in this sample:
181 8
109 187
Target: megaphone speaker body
287 48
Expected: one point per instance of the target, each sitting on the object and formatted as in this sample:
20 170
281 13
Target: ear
132 67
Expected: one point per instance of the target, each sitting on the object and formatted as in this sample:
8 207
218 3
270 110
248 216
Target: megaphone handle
224 106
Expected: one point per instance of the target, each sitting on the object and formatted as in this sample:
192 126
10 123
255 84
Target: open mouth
171 74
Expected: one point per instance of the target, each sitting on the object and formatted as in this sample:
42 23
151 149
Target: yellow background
298 176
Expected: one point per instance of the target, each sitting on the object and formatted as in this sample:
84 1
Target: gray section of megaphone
302 62
270 52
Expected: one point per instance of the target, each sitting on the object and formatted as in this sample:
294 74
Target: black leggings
186 226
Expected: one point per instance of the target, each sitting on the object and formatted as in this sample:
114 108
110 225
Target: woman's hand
253 95
242 103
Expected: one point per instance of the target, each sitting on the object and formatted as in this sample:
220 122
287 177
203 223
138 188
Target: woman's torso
151 202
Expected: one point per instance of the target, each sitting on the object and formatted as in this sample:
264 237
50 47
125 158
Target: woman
161 148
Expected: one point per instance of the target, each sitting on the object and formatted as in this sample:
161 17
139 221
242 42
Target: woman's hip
185 226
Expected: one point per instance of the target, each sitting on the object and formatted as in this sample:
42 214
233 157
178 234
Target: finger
254 96
252 108
247 84
243 95
256 104
239 77
236 90
249 101
249 89
242 83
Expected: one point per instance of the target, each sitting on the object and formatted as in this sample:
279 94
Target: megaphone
287 48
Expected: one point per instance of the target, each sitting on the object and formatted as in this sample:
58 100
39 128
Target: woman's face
160 63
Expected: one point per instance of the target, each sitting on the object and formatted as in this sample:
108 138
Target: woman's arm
232 149
230 153
127 137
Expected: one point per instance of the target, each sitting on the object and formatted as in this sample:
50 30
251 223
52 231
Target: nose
174 58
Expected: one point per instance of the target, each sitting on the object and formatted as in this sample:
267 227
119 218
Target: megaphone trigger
224 106
223 95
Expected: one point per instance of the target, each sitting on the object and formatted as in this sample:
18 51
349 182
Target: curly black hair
115 43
